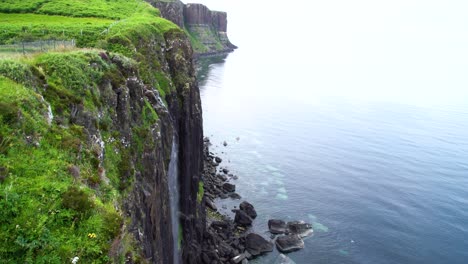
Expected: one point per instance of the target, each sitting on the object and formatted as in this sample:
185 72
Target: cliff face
93 135
206 29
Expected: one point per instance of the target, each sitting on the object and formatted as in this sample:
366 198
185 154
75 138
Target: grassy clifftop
71 141
87 21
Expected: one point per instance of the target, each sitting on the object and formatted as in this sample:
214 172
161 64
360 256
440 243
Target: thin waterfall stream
173 174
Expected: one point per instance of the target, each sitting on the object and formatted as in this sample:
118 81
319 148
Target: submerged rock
300 228
289 243
277 226
282 259
249 209
257 245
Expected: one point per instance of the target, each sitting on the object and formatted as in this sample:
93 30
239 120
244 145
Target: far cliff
206 29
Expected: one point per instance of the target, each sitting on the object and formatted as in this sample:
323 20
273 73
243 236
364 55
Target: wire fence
26 47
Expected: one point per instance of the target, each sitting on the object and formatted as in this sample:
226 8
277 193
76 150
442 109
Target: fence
36 46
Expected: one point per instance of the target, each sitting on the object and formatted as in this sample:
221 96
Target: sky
391 49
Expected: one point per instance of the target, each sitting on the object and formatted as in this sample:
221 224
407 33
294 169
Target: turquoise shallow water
381 182
352 115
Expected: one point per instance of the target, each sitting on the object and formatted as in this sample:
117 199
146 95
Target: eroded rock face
170 10
209 27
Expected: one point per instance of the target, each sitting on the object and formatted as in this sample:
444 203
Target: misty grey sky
389 49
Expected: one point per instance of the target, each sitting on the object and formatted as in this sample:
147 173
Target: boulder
222 177
235 196
211 204
277 226
228 187
218 160
242 218
225 171
300 228
289 243
248 209
257 245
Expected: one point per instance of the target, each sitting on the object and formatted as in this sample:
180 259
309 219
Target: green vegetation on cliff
65 163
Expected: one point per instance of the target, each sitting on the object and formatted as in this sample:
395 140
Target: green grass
201 191
52 195
39 221
88 22
115 9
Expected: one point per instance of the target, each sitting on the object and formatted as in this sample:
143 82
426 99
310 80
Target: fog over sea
351 115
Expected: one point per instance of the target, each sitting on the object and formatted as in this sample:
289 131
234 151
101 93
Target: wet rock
211 204
220 224
225 143
242 218
300 228
235 196
249 209
222 177
277 226
257 245
228 187
289 243
218 160
282 259
225 171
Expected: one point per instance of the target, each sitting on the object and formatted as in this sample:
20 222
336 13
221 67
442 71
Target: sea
349 115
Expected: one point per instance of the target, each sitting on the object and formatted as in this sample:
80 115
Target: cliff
206 29
88 136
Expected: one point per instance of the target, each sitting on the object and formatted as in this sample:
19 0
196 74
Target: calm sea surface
355 120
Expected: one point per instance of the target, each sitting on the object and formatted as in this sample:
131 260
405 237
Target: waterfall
173 174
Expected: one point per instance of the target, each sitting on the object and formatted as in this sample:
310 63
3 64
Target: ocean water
351 115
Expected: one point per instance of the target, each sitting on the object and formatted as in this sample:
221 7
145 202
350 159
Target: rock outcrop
207 29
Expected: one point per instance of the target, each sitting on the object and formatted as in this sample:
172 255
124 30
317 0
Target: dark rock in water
277 226
223 196
249 209
289 243
257 245
300 228
235 196
211 204
222 177
242 218
245 261
225 171
282 259
228 187
218 159
225 143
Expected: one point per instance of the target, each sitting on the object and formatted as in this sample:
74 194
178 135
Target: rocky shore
229 240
